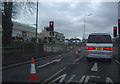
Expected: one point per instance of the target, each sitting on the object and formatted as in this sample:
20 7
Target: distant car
99 45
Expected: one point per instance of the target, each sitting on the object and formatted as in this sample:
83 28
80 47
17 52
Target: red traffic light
115 31
119 21
51 23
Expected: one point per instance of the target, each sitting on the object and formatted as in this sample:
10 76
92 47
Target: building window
16 33
24 33
51 33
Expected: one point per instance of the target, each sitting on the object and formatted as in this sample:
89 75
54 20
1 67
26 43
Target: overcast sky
69 17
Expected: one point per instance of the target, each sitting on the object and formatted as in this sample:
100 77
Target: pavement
66 68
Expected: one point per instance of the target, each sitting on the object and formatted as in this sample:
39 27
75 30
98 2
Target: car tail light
90 48
99 35
108 48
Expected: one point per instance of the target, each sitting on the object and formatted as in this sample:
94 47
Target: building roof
21 24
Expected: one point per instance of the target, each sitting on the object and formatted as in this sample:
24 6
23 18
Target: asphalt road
67 68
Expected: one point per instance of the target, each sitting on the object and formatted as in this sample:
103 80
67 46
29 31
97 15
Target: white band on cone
76 52
32 68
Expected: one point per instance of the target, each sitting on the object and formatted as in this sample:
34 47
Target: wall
12 55
56 48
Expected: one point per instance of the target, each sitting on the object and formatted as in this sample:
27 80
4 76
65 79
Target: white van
99 45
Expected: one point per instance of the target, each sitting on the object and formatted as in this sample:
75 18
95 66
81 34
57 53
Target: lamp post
84 25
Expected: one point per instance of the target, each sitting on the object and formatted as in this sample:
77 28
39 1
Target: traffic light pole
52 40
51 25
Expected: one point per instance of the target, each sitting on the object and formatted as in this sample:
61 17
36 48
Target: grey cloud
69 17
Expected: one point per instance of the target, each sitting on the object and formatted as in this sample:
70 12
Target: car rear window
99 39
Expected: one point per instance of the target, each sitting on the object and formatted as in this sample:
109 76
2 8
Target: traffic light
115 31
51 25
119 27
48 29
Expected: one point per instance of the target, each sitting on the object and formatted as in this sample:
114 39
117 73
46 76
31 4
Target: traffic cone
76 53
71 48
78 50
33 75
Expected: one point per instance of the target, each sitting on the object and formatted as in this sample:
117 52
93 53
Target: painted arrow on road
57 60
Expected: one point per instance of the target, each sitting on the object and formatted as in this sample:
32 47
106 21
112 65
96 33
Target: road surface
67 68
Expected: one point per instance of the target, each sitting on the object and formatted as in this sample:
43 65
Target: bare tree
7 23
25 8
11 11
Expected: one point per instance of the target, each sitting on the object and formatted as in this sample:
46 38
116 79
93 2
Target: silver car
99 45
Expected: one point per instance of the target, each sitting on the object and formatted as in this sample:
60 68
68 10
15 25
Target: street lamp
84 25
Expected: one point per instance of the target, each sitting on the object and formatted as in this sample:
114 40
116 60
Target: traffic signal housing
51 25
115 31
119 27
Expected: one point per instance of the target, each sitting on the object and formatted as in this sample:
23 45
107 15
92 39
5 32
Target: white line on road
59 55
108 81
82 79
57 60
71 78
89 77
62 77
78 59
117 61
15 64
86 79
94 68
55 74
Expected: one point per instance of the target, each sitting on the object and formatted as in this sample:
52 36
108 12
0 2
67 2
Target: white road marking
108 81
83 77
88 77
59 55
15 64
78 59
62 77
71 78
57 60
81 80
117 62
55 74
94 68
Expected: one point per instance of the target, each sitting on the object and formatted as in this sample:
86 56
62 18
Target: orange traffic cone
76 53
33 75
78 50
71 48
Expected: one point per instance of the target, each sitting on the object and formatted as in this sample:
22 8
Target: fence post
23 51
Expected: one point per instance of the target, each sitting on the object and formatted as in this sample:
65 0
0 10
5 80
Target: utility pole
84 29
36 43
118 42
